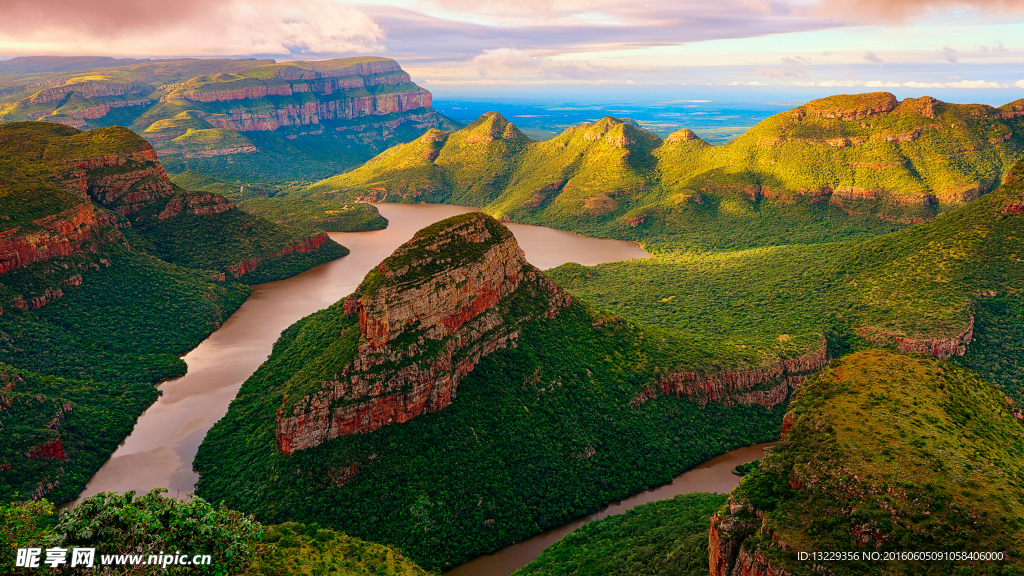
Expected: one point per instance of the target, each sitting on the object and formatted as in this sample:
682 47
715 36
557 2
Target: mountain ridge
865 160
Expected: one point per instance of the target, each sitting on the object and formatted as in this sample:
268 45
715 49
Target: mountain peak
490 127
456 292
683 135
848 106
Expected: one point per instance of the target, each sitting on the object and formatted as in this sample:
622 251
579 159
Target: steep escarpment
748 386
420 322
847 165
239 117
70 192
883 452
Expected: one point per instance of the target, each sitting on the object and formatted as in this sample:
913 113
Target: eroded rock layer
426 316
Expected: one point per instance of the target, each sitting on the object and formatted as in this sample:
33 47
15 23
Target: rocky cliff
767 386
354 106
60 234
422 320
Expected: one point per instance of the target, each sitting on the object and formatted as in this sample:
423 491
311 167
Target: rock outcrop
310 244
726 554
60 235
853 107
767 386
426 316
937 347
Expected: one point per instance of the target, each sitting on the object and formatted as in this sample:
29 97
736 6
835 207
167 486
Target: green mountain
232 118
108 273
838 167
698 349
459 401
883 453
923 289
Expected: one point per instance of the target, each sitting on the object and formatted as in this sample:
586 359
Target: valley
402 344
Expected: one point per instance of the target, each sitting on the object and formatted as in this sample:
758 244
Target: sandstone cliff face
937 347
310 244
90 89
426 316
736 386
729 529
125 183
247 119
61 235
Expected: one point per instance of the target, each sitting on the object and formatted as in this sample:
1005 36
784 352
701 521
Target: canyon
358 105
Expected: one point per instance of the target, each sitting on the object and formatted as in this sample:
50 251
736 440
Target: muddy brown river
161 447
714 475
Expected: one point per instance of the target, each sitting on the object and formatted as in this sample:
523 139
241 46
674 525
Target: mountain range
833 168
232 118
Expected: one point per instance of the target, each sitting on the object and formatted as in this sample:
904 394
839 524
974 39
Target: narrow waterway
163 444
714 475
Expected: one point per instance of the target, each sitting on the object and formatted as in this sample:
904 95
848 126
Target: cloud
949 55
1019 83
504 59
902 10
996 47
191 28
795 68
963 84
562 27
872 57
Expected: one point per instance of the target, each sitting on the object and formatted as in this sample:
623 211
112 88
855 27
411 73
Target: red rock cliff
737 386
428 296
726 554
61 235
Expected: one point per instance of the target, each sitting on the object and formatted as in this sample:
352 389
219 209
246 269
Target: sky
967 51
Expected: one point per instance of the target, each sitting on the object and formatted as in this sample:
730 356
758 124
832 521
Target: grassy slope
665 538
925 454
329 216
294 548
920 282
610 179
93 417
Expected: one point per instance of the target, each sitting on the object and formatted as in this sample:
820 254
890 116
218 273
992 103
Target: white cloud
969 84
1019 83
881 84
505 58
222 27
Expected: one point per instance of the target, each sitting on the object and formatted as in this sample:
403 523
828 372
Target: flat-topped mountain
231 117
822 166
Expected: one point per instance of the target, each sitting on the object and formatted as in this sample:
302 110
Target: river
714 475
163 444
